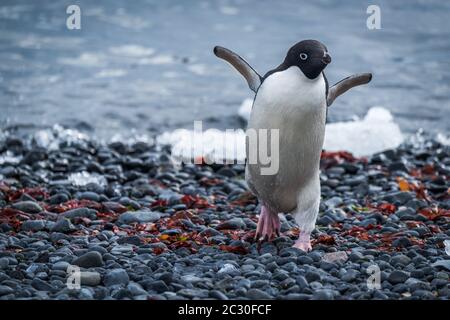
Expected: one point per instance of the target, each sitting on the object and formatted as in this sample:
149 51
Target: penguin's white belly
296 105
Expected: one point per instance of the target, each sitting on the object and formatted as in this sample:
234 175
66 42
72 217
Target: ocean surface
147 67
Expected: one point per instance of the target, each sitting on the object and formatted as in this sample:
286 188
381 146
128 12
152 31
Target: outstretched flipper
346 84
252 77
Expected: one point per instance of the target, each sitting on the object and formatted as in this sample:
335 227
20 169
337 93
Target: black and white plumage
292 98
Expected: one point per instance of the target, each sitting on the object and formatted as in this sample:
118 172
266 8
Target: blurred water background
146 66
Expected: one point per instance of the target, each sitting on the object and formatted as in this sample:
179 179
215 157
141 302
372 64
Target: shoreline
151 230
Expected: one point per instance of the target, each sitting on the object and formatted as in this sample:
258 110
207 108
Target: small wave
52 138
85 59
132 50
9 157
158 60
110 73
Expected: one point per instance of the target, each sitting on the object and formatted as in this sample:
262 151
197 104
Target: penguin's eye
303 56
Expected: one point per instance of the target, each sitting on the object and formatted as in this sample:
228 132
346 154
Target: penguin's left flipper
346 84
252 77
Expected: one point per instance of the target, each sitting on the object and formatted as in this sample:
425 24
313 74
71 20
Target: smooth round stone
257 294
27 206
398 276
89 260
116 277
90 278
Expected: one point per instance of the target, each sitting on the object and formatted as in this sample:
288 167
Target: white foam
132 137
198 69
158 59
51 138
83 178
85 59
132 50
9 157
228 10
110 73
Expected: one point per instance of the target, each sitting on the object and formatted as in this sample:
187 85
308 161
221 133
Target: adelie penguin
292 98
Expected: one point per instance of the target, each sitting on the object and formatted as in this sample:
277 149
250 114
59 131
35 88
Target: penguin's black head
310 56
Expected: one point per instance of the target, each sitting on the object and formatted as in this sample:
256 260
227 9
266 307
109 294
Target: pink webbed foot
303 242
268 225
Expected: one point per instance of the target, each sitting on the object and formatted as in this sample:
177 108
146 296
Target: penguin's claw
268 225
303 242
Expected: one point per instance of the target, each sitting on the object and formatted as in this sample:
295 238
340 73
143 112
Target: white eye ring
303 56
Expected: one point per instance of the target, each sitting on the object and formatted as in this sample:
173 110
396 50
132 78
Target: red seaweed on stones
233 249
13 217
386 208
209 182
157 183
361 233
244 199
37 193
329 159
195 202
74 204
434 213
428 171
113 207
160 203
324 239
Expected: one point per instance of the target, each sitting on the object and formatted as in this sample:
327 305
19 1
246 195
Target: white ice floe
376 132
132 50
444 139
213 145
245 109
83 178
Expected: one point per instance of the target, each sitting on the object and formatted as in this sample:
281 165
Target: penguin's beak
326 58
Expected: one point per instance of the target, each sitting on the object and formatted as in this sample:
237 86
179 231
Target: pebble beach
140 226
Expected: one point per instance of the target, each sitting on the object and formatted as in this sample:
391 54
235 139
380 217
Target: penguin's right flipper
346 84
252 77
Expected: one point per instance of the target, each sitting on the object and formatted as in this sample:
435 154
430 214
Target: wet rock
63 226
233 224
89 260
28 206
398 276
139 217
90 278
34 225
257 294
80 213
116 277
